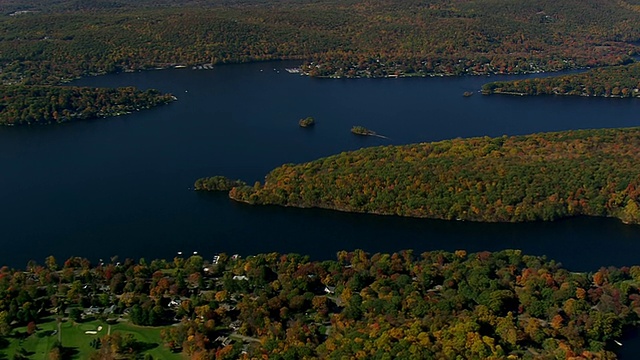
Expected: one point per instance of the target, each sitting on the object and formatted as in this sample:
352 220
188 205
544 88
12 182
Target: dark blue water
121 186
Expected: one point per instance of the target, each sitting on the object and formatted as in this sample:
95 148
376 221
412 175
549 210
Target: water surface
122 186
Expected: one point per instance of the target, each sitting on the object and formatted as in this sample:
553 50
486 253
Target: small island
467 93
307 122
216 183
361 130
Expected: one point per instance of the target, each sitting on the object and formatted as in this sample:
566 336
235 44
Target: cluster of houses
174 303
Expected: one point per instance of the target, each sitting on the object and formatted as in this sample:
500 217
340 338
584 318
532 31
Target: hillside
27 105
65 39
48 43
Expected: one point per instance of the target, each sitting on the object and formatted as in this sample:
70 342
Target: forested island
361 130
543 176
617 81
307 122
217 183
284 306
26 105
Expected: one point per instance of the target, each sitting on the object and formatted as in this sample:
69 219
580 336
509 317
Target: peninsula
543 176
616 81
29 105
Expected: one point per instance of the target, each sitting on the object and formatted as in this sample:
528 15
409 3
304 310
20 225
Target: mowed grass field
73 335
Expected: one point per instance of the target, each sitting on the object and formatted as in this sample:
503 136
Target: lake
122 186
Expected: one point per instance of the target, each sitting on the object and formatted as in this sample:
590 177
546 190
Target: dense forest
44 42
20 104
48 43
435 305
616 81
520 178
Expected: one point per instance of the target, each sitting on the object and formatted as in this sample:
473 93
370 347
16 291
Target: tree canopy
519 178
432 305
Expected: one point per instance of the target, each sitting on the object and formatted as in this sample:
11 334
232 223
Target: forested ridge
434 305
616 81
519 178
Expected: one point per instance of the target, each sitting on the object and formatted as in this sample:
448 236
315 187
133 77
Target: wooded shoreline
536 177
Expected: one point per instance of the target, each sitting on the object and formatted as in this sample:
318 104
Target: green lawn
73 336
